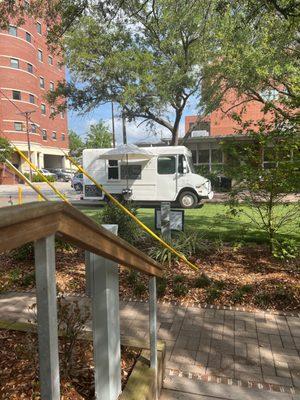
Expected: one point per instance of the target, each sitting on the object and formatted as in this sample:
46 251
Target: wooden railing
40 223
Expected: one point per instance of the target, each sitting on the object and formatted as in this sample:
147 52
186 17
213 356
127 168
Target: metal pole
153 328
106 325
44 250
27 114
113 124
124 128
165 214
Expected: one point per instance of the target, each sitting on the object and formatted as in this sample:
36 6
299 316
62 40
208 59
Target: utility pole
113 124
27 115
124 128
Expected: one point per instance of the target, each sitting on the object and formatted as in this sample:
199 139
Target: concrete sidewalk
211 353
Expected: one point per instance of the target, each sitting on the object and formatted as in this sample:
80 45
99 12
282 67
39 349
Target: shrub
139 288
285 249
161 286
212 294
280 295
239 294
179 278
220 285
180 289
36 178
132 277
24 252
127 228
202 281
14 275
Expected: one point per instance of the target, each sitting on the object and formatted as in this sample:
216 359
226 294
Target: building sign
176 219
199 133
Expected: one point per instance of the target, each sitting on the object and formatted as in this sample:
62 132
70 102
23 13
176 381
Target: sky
80 124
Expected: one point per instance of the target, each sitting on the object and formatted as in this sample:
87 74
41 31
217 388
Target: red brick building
28 71
206 135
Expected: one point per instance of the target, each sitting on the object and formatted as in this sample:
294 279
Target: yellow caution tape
22 176
140 223
41 175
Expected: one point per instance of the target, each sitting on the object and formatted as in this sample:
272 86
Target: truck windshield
191 165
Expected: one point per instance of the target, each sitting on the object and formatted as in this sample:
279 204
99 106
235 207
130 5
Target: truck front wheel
188 199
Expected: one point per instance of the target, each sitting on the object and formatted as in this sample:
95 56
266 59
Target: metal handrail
21 224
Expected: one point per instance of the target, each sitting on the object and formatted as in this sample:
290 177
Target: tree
260 187
98 136
76 144
146 56
5 150
257 57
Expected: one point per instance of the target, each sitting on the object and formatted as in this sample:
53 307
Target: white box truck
168 175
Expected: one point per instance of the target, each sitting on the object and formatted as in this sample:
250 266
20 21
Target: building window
39 28
203 156
40 55
14 63
166 165
43 109
28 37
62 114
42 82
52 86
33 128
30 68
31 99
52 111
50 60
54 136
16 94
44 134
18 126
113 169
63 137
12 30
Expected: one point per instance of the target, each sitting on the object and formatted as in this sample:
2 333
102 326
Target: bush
285 249
180 289
24 252
186 243
132 277
28 279
239 294
212 294
139 288
278 296
36 178
202 281
179 278
127 228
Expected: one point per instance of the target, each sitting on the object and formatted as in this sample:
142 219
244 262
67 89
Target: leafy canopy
98 136
146 56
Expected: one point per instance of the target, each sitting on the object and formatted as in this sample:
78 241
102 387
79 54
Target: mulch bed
19 377
245 276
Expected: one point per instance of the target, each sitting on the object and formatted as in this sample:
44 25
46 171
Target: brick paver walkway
245 350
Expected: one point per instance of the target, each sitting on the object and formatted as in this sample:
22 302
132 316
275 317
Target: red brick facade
220 123
22 71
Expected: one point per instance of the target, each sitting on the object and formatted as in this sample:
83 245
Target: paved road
9 193
211 353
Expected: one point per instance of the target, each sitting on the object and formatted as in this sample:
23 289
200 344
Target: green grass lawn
213 222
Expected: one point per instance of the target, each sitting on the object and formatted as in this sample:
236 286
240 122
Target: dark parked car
63 175
77 182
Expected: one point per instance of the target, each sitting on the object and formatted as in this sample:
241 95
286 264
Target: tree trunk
175 130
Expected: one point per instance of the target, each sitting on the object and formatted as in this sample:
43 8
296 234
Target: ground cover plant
19 374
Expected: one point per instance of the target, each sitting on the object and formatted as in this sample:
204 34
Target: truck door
166 178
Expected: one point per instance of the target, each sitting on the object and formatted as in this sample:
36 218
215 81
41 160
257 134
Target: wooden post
153 327
44 250
106 325
165 213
